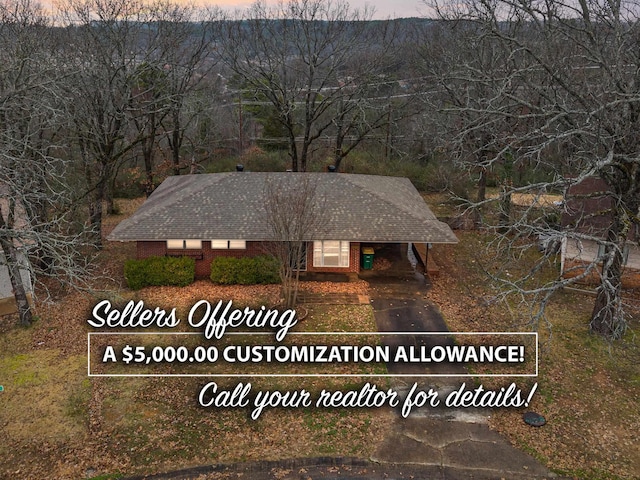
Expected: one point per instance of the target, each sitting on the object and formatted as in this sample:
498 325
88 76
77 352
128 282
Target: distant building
588 211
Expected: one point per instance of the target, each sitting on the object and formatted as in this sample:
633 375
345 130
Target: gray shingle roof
230 206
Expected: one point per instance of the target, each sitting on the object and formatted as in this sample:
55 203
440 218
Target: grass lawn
59 423
588 388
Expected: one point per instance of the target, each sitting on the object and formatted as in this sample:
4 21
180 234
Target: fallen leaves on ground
588 388
381 263
104 425
359 287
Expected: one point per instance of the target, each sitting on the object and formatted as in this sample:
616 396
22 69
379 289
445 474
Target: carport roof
363 208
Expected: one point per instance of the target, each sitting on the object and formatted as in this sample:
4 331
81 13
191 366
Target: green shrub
159 271
178 271
135 274
224 270
267 269
263 269
246 271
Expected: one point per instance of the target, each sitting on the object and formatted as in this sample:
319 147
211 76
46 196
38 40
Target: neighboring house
588 211
7 301
223 214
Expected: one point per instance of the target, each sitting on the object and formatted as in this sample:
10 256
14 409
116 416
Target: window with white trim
184 244
228 244
330 253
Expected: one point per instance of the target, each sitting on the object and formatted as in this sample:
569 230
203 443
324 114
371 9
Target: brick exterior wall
204 256
150 249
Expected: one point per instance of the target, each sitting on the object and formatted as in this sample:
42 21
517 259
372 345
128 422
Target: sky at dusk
383 8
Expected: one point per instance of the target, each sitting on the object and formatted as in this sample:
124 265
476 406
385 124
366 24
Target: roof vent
331 169
239 167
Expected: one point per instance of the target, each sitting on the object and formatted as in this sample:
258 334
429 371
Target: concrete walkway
448 443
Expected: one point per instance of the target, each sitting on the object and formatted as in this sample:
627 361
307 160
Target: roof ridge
388 201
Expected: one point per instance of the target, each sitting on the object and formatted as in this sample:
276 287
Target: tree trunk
338 153
299 250
480 197
304 151
95 213
340 134
108 196
302 163
607 317
296 284
148 144
482 185
19 292
176 143
293 154
505 210
149 184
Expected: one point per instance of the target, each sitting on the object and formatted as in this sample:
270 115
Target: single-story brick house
223 214
588 212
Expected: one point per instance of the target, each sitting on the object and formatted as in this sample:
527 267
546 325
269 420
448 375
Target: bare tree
37 234
366 108
295 215
138 63
148 108
189 62
101 89
301 57
179 57
568 84
448 56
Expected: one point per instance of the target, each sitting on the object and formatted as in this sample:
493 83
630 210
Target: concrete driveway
451 443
